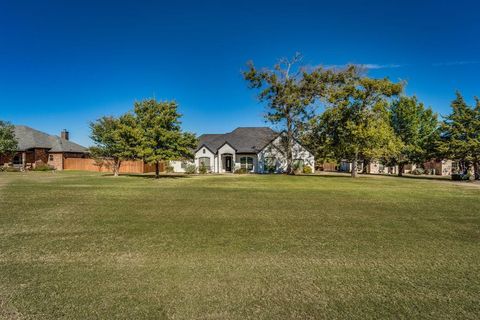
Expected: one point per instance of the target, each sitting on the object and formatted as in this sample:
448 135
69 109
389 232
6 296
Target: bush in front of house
190 169
169 169
40 166
202 169
418 171
9 169
241 171
461 176
307 170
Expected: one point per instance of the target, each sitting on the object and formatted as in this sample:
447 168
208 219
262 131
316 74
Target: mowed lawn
87 246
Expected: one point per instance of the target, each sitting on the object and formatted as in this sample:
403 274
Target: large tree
161 136
355 125
8 142
116 139
290 91
416 126
460 135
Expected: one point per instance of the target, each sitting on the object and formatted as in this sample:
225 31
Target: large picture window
246 163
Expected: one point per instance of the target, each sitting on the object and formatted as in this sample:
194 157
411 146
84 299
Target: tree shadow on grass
150 176
367 175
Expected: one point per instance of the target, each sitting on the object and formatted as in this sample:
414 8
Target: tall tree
8 142
460 135
116 139
161 136
416 127
289 91
355 123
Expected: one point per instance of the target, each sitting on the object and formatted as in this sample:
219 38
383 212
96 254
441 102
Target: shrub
9 169
169 169
307 170
202 169
42 167
461 176
418 171
241 171
190 169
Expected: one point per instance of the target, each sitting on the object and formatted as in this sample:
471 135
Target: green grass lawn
86 246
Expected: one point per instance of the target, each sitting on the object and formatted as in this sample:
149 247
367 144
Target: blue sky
66 63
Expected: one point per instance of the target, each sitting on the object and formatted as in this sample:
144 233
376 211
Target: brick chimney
65 134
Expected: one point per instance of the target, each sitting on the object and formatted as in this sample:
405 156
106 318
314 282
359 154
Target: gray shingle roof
29 138
243 139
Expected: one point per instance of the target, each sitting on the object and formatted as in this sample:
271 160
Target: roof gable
242 139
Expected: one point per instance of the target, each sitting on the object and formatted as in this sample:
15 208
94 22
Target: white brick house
257 149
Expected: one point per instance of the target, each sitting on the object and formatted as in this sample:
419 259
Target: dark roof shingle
29 138
243 139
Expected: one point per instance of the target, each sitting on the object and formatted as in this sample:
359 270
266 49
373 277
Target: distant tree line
344 114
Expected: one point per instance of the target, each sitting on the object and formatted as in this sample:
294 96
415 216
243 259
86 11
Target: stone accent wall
56 160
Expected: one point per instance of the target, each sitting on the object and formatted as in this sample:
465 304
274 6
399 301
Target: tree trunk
476 168
354 166
116 167
157 169
365 166
290 169
401 167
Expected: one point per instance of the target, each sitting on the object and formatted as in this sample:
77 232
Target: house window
50 157
204 151
246 163
17 159
184 164
204 161
270 165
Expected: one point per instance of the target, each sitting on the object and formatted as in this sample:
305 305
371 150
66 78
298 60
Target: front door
228 164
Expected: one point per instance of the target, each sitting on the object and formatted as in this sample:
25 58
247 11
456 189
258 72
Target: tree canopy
290 91
161 136
460 135
416 127
116 139
355 124
8 142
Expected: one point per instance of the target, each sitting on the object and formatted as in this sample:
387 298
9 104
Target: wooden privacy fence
83 164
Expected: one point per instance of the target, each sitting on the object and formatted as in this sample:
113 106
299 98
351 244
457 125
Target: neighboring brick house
34 145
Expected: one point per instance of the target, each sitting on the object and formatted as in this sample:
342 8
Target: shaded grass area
80 245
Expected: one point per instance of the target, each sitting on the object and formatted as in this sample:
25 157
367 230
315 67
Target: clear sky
66 63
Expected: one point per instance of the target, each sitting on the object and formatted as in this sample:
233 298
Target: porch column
24 159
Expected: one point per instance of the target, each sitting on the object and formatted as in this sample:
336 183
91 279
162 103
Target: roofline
226 142
294 139
204 145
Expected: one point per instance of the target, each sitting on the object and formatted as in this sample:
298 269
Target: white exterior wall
177 166
251 155
273 150
204 152
225 149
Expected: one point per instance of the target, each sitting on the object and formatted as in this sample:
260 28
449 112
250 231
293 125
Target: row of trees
363 118
152 132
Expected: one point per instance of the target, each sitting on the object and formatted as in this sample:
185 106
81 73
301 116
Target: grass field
85 246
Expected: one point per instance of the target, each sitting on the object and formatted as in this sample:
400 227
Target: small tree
161 135
290 92
8 142
416 127
116 139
